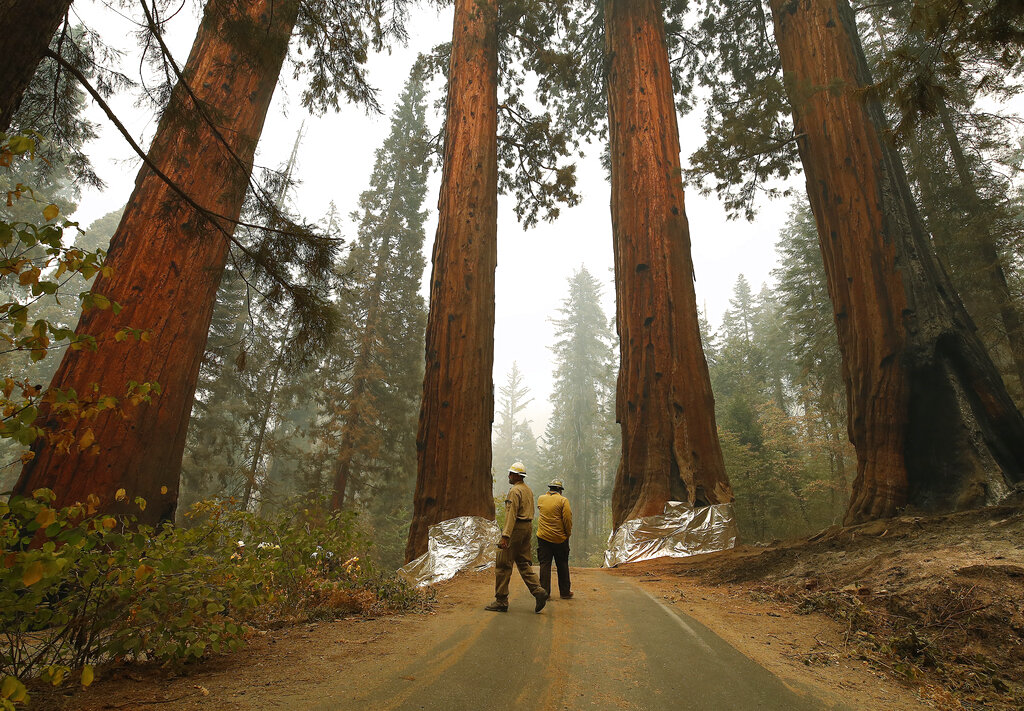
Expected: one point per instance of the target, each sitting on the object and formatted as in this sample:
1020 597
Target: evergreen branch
211 216
200 105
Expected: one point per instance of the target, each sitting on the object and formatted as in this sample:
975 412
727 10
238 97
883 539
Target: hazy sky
335 161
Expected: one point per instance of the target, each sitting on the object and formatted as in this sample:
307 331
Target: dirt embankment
934 602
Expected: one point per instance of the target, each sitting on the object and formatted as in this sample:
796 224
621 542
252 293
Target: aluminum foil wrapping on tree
463 543
681 531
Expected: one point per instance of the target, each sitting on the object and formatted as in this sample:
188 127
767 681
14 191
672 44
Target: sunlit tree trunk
670 448
167 261
454 439
928 413
27 28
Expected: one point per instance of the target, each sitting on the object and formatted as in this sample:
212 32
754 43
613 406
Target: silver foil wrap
679 532
463 543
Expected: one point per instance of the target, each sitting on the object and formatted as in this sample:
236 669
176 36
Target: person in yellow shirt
553 533
514 546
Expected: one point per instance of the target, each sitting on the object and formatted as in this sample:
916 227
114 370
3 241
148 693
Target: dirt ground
933 603
911 613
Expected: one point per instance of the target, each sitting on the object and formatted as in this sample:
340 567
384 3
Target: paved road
613 647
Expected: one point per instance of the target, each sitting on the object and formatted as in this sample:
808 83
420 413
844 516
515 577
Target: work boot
542 600
567 596
497 607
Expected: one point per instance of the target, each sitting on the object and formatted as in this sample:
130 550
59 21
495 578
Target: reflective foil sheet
679 532
463 543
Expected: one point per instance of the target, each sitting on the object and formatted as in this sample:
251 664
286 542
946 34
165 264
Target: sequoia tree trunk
928 413
167 261
28 26
670 448
453 443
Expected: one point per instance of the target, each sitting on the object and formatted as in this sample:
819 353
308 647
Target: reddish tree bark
928 413
167 261
670 448
28 26
454 439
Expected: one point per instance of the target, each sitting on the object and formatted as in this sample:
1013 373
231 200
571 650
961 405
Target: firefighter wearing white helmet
514 546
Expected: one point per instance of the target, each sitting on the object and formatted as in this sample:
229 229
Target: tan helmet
556 484
517 468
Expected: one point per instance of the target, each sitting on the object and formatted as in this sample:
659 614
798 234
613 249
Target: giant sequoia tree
28 26
169 251
166 259
670 448
928 412
454 439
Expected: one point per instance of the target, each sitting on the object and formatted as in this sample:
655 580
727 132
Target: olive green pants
518 554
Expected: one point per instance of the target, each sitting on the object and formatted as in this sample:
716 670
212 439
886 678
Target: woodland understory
224 411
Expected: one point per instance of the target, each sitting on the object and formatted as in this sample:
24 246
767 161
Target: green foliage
333 40
78 588
368 407
582 439
536 133
37 270
779 397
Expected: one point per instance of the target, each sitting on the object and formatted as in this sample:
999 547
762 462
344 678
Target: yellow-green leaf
50 212
142 572
88 674
33 573
86 439
8 687
121 495
45 517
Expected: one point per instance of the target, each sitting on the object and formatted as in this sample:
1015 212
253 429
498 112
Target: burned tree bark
28 26
929 415
454 439
167 259
670 448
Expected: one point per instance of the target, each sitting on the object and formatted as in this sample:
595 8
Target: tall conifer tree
453 441
580 439
170 249
911 357
376 444
670 448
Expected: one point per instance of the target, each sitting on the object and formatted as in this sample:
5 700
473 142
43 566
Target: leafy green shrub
77 588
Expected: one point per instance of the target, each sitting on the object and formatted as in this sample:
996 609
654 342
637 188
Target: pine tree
376 457
955 150
509 430
815 361
908 345
578 445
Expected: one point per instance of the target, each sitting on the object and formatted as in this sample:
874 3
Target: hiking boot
542 600
497 607
567 596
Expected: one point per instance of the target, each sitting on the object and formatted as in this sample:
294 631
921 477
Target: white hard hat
517 468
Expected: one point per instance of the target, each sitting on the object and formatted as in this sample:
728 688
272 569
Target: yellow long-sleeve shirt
555 523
